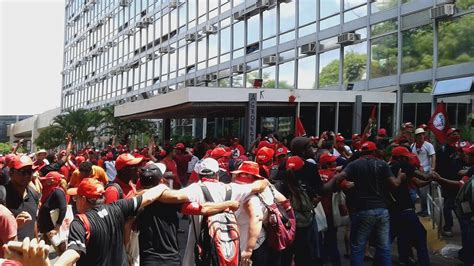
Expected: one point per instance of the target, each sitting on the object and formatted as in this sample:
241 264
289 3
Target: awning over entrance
195 102
454 86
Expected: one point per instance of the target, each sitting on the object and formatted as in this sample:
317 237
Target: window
251 76
253 29
355 13
384 27
384 56
329 68
286 75
455 43
225 40
382 5
329 7
239 35
287 16
307 72
268 76
307 11
355 61
417 49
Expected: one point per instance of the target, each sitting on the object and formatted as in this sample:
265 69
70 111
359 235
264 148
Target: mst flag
439 123
299 128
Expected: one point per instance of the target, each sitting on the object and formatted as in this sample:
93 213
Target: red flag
439 123
373 115
299 128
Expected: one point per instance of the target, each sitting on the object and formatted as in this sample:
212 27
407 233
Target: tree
5 148
50 137
354 69
78 123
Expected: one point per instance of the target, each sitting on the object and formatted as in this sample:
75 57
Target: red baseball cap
401 151
463 144
89 188
179 146
423 126
326 158
355 136
109 156
80 159
382 132
20 161
368 146
294 163
51 178
220 152
265 143
468 150
281 151
126 159
264 155
340 138
452 130
248 167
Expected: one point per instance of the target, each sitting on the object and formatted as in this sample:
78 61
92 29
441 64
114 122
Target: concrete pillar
357 115
34 133
193 130
204 127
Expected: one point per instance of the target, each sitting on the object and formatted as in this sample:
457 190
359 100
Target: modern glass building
127 52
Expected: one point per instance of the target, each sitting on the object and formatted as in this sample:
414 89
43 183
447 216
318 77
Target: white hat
161 166
208 166
419 131
41 151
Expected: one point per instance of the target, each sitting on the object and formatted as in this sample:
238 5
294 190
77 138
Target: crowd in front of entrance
275 203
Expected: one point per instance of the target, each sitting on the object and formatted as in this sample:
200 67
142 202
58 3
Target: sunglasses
25 172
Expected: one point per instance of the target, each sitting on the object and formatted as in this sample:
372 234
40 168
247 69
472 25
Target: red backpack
218 242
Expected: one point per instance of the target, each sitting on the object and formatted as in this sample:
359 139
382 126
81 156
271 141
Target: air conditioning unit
191 37
284 1
101 49
442 11
190 82
148 20
88 58
100 22
124 3
173 4
239 15
150 57
239 68
129 32
92 2
210 77
270 60
164 50
348 38
111 44
263 4
209 29
141 25
163 90
309 48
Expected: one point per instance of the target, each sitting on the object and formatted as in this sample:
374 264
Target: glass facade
117 51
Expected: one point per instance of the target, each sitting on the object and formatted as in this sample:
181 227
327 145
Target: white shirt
217 190
243 218
424 154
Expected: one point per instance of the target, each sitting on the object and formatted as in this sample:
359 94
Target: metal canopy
454 86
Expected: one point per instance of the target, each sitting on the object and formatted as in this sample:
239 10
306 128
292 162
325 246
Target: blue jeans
363 224
467 233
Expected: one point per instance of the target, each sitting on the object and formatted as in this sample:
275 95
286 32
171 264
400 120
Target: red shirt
112 194
182 161
326 200
173 168
238 147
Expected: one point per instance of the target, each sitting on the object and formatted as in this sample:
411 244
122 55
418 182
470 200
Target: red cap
89 188
264 155
451 131
401 151
265 143
294 163
368 146
281 151
355 136
8 158
407 124
468 150
340 138
423 126
220 152
52 178
80 159
109 156
248 167
179 146
19 162
382 132
126 159
326 158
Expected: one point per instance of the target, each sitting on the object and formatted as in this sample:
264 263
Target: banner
439 123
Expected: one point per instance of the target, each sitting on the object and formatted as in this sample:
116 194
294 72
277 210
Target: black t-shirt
57 200
105 246
158 240
470 171
402 192
370 176
309 180
448 164
16 204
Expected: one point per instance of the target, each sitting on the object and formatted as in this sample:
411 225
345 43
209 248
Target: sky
31 55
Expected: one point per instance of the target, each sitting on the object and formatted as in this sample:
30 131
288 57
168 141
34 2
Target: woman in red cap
253 216
53 197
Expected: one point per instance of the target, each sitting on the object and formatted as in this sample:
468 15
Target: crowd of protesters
121 205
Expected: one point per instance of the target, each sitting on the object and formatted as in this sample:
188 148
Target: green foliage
417 49
456 38
5 148
329 74
50 137
77 122
354 66
384 56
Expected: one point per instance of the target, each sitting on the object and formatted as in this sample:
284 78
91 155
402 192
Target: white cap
419 131
208 166
41 151
161 166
